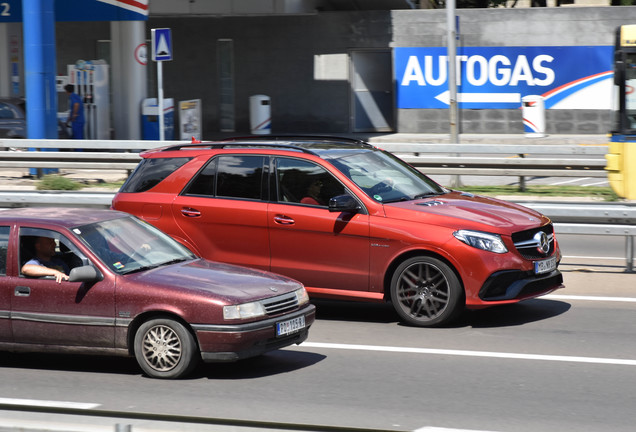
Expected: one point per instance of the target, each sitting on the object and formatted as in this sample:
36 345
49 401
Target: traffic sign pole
161 51
160 99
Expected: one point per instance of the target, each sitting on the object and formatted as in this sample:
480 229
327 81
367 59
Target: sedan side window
305 182
4 246
50 249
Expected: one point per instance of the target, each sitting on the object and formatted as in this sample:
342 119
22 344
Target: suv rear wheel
426 292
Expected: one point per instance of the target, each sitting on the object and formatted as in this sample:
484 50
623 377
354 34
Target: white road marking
570 181
50 426
604 182
468 353
593 258
438 429
590 298
48 403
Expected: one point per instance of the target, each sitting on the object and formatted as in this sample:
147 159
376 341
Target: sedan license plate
291 326
545 266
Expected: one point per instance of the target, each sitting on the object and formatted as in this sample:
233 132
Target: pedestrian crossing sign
161 44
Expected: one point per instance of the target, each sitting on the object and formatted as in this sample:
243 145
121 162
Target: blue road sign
161 44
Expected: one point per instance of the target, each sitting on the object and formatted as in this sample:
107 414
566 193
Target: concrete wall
273 56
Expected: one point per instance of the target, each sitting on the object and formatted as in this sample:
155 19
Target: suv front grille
527 244
281 304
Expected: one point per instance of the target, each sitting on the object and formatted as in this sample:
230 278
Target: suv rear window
151 172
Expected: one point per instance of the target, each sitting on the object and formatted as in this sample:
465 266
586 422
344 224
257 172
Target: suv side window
203 183
4 246
305 182
151 172
240 177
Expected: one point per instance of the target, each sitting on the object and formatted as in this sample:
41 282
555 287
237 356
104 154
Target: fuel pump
90 79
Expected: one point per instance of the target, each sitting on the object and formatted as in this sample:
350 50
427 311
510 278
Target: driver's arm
34 270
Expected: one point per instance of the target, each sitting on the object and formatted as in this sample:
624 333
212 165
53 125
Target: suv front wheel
426 292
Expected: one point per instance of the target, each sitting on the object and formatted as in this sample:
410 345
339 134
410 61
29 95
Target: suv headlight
481 240
243 311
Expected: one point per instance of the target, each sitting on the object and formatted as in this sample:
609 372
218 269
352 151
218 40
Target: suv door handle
284 220
190 212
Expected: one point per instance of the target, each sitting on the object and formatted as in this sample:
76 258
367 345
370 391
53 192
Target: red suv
348 220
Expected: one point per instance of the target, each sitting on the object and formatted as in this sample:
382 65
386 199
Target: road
564 362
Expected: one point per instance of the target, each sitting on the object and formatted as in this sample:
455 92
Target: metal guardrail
565 160
562 160
614 219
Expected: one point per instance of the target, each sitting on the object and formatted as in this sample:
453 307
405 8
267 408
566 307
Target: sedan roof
61 216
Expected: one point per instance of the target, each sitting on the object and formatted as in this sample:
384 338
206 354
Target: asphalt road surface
565 362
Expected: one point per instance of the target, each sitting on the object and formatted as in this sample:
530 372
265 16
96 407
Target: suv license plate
545 266
291 326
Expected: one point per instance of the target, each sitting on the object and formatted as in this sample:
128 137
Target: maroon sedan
131 290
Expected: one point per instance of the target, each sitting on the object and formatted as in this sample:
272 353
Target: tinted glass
203 182
4 245
240 176
305 182
151 172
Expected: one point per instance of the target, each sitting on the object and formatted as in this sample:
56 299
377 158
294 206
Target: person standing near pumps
76 115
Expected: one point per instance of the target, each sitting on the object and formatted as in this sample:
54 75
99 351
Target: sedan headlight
243 311
302 296
481 240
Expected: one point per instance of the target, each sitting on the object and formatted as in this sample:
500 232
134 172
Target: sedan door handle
284 220
22 291
190 212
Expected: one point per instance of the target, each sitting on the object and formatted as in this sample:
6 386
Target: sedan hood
461 210
234 284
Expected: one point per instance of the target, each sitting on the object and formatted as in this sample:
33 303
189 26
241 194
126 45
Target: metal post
452 78
123 428
629 253
40 71
160 98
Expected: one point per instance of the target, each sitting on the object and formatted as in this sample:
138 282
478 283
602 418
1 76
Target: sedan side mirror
343 203
87 273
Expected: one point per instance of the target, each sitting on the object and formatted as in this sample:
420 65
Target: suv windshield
386 178
129 244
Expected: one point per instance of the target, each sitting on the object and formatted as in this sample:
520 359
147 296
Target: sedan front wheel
164 348
426 292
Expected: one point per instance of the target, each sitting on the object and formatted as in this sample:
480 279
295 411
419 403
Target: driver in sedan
45 263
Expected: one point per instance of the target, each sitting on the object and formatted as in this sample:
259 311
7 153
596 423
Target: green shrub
57 182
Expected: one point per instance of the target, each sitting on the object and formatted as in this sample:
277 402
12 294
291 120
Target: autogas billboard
570 77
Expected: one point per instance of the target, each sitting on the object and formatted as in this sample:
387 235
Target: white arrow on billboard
480 97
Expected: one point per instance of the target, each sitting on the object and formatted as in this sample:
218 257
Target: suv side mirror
343 203
86 273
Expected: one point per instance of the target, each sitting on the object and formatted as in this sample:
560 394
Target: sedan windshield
385 178
128 244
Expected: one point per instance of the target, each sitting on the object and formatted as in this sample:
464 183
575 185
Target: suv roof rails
326 138
267 141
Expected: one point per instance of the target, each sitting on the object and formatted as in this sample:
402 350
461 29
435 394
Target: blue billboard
83 10
571 77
